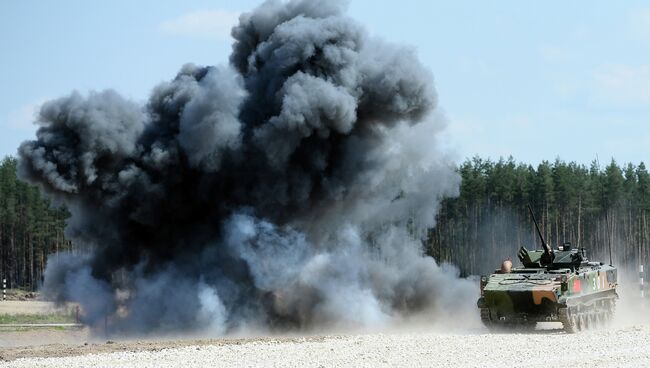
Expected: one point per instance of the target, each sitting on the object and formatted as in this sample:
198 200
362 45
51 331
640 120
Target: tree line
598 208
30 230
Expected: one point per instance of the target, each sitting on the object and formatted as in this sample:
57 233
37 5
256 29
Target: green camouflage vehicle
551 286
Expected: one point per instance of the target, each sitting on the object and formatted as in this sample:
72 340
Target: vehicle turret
559 285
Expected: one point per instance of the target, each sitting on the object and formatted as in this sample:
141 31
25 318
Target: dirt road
625 344
615 347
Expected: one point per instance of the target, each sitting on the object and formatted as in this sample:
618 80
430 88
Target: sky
532 80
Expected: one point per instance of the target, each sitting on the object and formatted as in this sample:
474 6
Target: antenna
609 237
609 233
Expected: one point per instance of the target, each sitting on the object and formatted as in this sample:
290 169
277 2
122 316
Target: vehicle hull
576 298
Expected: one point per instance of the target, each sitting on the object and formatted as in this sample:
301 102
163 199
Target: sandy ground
33 307
26 307
614 347
13 338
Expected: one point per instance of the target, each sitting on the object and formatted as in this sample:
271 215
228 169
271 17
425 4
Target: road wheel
582 322
568 319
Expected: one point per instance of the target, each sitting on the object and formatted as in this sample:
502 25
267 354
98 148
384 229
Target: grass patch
26 329
35 318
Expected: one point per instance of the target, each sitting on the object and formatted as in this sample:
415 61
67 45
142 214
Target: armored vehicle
552 285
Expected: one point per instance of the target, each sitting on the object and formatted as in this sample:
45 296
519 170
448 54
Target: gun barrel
546 247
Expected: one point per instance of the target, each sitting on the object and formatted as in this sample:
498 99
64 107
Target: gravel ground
615 347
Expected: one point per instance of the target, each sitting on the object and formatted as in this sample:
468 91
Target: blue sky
535 80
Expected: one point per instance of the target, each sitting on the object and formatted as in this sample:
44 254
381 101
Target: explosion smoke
291 188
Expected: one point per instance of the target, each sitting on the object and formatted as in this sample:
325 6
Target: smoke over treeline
290 188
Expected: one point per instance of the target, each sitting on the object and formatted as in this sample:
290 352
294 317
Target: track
579 316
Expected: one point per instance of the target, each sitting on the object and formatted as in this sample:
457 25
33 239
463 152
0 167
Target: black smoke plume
290 189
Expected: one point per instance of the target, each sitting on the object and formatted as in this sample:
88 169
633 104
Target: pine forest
601 208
